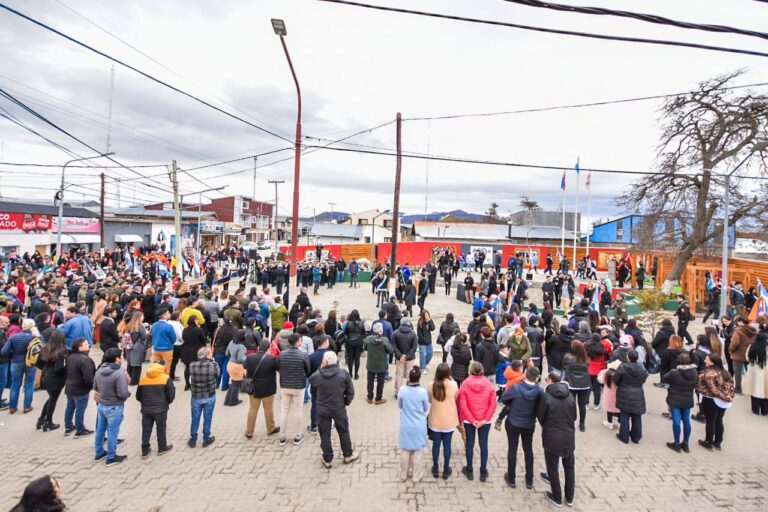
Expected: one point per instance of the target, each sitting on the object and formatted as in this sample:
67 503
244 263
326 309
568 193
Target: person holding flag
761 304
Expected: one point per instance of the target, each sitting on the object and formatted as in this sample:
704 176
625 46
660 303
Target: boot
50 426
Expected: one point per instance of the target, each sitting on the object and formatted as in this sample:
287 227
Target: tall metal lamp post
280 30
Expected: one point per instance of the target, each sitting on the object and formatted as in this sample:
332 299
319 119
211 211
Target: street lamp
60 197
280 30
757 147
373 237
199 208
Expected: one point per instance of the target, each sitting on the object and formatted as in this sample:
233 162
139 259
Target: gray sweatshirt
111 384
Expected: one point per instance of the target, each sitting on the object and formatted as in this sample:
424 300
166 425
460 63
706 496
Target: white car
247 246
264 244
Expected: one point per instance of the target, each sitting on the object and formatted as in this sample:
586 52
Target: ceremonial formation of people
244 340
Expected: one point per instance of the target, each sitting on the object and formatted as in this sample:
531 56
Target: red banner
24 222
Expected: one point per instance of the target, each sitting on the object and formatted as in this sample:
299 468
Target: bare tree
493 211
529 204
706 133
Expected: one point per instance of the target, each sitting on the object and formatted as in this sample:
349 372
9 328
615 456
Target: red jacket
477 399
599 364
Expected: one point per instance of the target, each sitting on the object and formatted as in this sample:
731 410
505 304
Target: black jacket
557 414
669 360
80 372
334 390
293 365
487 353
155 392
629 379
424 332
462 356
194 339
557 347
404 341
355 331
576 374
265 379
303 301
660 342
54 373
535 337
109 337
682 381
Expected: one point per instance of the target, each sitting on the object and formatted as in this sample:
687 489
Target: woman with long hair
576 367
413 403
716 388
714 340
224 334
681 382
148 306
477 405
443 417
756 379
235 369
136 349
52 362
424 327
354 330
40 495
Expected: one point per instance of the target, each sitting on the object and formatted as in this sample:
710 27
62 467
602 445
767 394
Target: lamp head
279 27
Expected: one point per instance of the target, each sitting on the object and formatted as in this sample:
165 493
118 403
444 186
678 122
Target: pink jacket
477 399
608 400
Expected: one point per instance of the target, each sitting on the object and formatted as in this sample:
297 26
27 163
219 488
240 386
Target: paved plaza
257 474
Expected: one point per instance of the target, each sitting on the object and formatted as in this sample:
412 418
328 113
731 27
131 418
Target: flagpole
562 237
576 217
589 209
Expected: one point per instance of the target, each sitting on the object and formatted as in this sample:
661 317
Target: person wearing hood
660 342
681 382
581 312
378 348
111 386
335 393
742 338
404 343
556 413
487 353
477 404
155 393
522 400
630 398
278 314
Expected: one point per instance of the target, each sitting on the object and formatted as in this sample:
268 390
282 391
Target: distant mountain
328 216
436 216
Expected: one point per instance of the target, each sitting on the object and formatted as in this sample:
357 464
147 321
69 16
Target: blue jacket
316 274
522 398
254 313
16 346
414 404
478 304
79 326
388 330
501 380
316 359
163 336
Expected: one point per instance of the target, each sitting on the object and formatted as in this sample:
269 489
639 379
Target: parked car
247 246
264 244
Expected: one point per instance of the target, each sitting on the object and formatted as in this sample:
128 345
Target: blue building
627 230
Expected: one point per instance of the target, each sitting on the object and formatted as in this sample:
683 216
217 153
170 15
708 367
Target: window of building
619 231
362 221
388 239
387 223
246 205
367 240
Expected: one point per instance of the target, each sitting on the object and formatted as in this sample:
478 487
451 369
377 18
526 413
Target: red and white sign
77 225
34 222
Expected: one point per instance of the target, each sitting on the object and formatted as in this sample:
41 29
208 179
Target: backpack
33 352
126 341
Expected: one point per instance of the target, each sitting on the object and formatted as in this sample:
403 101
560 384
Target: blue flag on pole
577 166
562 182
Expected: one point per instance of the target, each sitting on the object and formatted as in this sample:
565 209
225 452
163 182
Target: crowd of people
245 341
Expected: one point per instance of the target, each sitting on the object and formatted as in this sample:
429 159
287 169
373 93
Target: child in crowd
513 374
608 402
501 366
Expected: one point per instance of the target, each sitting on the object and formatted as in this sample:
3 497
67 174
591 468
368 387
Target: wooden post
396 205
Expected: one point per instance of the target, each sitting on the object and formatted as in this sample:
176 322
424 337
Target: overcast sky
357 68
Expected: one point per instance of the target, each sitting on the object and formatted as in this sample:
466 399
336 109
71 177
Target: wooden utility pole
177 219
276 183
396 205
101 212
253 197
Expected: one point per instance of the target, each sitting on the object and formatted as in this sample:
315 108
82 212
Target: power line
663 42
650 18
58 166
142 73
575 105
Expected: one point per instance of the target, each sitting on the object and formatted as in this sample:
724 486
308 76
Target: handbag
246 386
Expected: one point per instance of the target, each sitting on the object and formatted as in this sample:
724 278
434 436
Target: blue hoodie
523 398
79 326
163 336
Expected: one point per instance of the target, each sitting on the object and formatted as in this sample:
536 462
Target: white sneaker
586 407
608 425
597 407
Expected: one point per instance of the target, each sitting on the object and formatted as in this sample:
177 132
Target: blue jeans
108 420
339 276
597 389
19 372
425 356
223 378
306 390
679 415
627 432
75 407
482 434
205 407
4 369
443 438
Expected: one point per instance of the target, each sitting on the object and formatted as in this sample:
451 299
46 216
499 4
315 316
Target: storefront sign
77 225
211 227
233 228
25 222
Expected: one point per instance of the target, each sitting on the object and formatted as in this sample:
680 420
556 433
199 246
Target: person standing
443 417
523 401
424 327
261 367
681 381
133 340
379 349
413 402
715 386
163 338
335 393
423 291
404 343
77 387
110 385
293 365
556 413
354 330
16 350
756 380
52 362
461 355
203 374
235 359
684 316
743 336
630 398
477 405
194 339
576 375
155 393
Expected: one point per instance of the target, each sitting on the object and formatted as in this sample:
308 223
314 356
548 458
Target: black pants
582 398
379 378
421 301
714 416
186 377
134 372
548 269
50 405
175 360
341 421
158 419
432 283
682 331
447 287
760 405
233 393
712 310
353 360
514 434
553 472
558 299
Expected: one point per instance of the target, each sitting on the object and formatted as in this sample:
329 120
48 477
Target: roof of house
44 209
471 231
112 212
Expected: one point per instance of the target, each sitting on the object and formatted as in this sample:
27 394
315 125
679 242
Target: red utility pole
396 205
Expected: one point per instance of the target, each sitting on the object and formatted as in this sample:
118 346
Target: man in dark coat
684 316
405 343
431 276
335 392
630 398
556 412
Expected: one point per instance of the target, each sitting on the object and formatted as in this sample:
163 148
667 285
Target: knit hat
288 325
627 340
614 365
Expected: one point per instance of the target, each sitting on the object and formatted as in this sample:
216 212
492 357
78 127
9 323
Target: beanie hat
288 325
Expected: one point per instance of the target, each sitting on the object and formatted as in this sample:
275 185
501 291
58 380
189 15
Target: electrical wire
140 72
589 35
58 166
650 18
